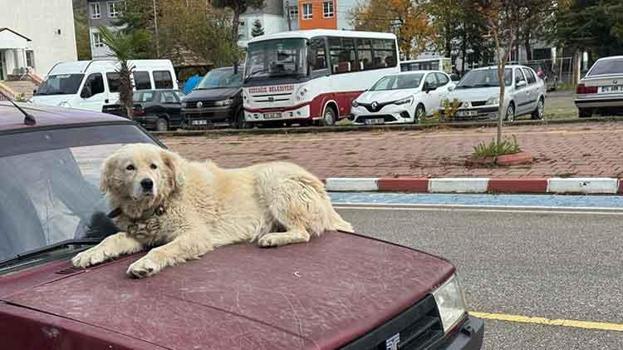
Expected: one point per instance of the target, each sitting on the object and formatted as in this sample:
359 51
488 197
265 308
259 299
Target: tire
510 113
540 108
239 121
329 116
420 112
585 112
162 124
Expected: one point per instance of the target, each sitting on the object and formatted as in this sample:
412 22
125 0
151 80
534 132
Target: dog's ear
173 162
107 173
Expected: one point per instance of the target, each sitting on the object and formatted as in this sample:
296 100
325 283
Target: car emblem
375 105
271 99
615 82
199 104
392 343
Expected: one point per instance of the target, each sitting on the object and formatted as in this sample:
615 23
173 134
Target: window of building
162 79
114 9
30 58
294 11
95 10
327 9
97 40
113 81
307 11
141 80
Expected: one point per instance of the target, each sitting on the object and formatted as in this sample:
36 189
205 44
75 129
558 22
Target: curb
579 185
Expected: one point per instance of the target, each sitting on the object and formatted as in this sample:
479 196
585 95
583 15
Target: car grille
386 118
418 327
478 103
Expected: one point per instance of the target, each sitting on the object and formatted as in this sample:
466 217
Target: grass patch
494 149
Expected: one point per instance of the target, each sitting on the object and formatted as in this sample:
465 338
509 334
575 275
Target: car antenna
29 119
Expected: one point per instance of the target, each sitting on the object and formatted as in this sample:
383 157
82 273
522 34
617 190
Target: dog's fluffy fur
194 207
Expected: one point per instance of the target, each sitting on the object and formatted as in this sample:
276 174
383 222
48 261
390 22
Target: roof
14 32
307 34
12 119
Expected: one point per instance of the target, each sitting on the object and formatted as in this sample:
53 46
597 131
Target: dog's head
141 174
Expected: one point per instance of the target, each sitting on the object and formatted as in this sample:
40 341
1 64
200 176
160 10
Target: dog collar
117 211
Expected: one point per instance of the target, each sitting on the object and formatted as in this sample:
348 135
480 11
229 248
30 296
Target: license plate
374 121
199 122
467 113
268 116
612 89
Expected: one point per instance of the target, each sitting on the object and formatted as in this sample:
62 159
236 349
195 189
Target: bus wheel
328 119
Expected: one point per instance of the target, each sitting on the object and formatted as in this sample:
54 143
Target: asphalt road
539 264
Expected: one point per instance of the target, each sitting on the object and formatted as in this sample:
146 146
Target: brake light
583 89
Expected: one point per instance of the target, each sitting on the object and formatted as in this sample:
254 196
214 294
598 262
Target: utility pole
288 16
156 29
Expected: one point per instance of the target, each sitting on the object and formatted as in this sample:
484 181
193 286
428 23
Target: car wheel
162 124
240 122
585 112
329 116
420 113
540 108
510 113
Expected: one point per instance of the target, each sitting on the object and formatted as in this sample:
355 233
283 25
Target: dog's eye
153 166
130 167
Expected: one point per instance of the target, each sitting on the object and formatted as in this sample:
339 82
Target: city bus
312 76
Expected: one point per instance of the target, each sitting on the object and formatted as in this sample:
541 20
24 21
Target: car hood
211 94
475 94
386 96
318 295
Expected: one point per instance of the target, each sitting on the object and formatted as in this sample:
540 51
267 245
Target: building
35 35
272 17
102 13
314 14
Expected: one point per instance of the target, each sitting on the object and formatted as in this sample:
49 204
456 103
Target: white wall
40 21
270 23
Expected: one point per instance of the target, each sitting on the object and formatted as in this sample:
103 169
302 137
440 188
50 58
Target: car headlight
64 104
300 93
493 100
226 102
404 101
184 104
450 303
354 103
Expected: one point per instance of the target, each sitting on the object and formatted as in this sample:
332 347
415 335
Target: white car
401 98
601 90
479 91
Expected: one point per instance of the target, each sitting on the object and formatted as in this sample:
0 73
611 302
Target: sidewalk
569 150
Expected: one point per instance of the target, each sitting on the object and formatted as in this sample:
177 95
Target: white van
93 84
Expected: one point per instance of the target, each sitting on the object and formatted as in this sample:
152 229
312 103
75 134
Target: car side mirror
34 91
451 87
520 84
86 92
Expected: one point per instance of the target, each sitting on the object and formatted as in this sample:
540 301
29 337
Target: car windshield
144 96
276 58
397 82
49 183
60 84
484 78
611 66
219 79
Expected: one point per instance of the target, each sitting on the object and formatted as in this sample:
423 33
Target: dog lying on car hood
187 208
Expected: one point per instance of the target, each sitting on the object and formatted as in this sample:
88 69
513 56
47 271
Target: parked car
601 89
405 97
337 291
479 90
94 84
158 110
216 99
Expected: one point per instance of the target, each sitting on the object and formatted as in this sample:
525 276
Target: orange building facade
317 14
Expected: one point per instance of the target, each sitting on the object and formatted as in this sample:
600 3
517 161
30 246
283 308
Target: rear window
141 80
529 75
613 66
162 79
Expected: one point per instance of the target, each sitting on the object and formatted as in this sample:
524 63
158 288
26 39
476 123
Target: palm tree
124 48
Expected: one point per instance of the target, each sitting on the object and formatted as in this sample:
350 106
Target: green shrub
494 149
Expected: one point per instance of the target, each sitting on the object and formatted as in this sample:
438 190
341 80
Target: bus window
342 51
384 53
319 54
364 51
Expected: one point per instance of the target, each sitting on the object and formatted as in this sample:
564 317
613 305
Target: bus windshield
276 58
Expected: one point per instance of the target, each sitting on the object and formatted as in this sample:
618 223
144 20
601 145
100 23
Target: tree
408 19
257 29
83 41
238 7
123 47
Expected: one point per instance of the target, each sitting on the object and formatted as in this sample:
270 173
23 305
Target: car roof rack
29 119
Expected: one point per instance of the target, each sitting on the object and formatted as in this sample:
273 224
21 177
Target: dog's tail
340 224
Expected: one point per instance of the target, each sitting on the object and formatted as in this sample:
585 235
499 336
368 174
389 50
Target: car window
143 96
142 80
162 79
529 75
442 79
610 66
431 80
94 85
113 81
519 76
179 95
168 97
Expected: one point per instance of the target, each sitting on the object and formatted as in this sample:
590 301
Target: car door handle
106 101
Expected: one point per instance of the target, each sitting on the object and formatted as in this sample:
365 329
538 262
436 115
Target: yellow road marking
602 326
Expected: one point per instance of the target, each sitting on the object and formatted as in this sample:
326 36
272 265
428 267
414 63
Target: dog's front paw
271 240
143 267
89 257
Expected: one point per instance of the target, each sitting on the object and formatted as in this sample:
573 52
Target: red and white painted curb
574 185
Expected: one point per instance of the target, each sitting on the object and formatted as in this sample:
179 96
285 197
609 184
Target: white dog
188 208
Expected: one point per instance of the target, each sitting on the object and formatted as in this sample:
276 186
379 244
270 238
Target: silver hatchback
601 90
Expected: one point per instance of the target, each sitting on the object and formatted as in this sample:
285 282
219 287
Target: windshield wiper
49 248
252 74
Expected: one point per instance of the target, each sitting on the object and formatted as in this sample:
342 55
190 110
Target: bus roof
308 34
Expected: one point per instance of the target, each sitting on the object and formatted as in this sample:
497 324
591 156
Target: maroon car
338 291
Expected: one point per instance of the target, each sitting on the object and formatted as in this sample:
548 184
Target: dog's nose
147 184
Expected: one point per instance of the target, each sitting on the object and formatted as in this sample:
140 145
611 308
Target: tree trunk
235 25
527 46
125 89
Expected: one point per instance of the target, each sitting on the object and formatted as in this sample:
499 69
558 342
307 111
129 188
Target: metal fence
557 72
